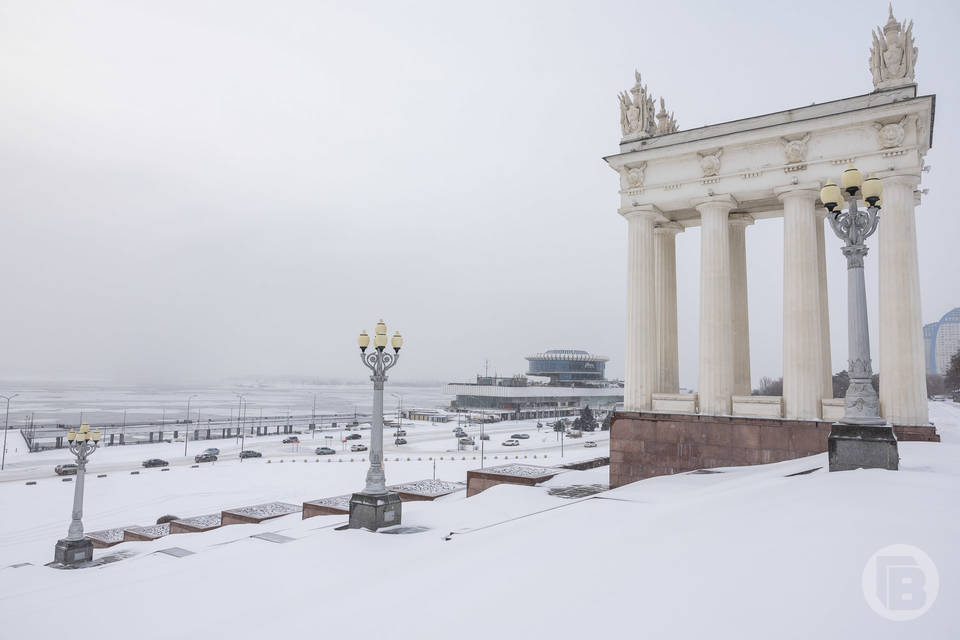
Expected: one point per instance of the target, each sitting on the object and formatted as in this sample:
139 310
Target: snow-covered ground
751 552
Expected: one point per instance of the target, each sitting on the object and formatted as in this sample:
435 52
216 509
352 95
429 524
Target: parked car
212 451
249 453
511 443
325 451
358 447
155 462
400 441
589 444
204 457
520 436
66 469
400 433
353 436
466 440
291 440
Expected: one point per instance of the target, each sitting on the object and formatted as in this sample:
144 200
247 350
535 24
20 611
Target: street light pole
862 439
375 507
75 549
6 427
186 433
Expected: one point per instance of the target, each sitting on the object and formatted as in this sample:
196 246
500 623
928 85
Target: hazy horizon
204 191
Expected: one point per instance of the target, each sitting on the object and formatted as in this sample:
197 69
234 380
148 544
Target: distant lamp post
862 439
6 427
186 432
375 507
75 549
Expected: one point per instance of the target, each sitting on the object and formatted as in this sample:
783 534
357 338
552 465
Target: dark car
212 451
205 457
66 469
353 436
484 436
400 441
520 436
325 451
248 454
291 440
400 433
155 462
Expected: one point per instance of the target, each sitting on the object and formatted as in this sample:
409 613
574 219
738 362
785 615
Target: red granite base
647 444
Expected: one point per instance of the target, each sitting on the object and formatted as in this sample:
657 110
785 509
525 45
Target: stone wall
646 444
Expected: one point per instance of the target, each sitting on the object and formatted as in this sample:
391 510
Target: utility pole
6 427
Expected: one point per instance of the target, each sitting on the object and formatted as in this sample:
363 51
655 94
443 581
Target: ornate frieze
795 151
893 56
710 163
891 134
635 175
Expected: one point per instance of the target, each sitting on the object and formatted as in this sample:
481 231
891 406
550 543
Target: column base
73 552
858 446
374 511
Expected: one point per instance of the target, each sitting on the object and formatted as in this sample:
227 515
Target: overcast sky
202 190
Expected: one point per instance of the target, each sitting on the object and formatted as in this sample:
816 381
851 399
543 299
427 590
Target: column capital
909 178
724 199
664 228
740 219
805 190
643 210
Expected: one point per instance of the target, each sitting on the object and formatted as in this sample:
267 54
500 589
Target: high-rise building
941 340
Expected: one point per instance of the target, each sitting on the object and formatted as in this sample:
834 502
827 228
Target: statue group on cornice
638 119
893 56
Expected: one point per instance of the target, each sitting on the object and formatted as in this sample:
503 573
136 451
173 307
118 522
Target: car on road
511 443
212 450
400 433
325 451
589 444
574 434
249 453
520 436
358 447
204 457
466 440
484 436
353 436
291 440
400 441
155 462
65 469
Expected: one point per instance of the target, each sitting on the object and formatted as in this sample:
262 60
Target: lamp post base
73 552
374 510
858 446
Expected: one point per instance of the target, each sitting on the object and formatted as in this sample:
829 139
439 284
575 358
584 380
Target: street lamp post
375 507
862 439
75 549
186 432
6 427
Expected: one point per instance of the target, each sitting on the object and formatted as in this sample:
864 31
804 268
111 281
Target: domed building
568 367
941 340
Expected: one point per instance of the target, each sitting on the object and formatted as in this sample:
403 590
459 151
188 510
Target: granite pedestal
374 510
855 446
73 552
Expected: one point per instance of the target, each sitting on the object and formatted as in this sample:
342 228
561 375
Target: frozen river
61 402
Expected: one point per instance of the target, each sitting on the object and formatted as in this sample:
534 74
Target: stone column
738 291
825 356
802 355
641 360
715 383
903 382
665 256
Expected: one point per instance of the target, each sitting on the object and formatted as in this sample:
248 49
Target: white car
511 443
589 444
358 447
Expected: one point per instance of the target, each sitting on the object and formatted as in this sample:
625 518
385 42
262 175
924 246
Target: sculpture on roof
666 123
636 111
893 55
